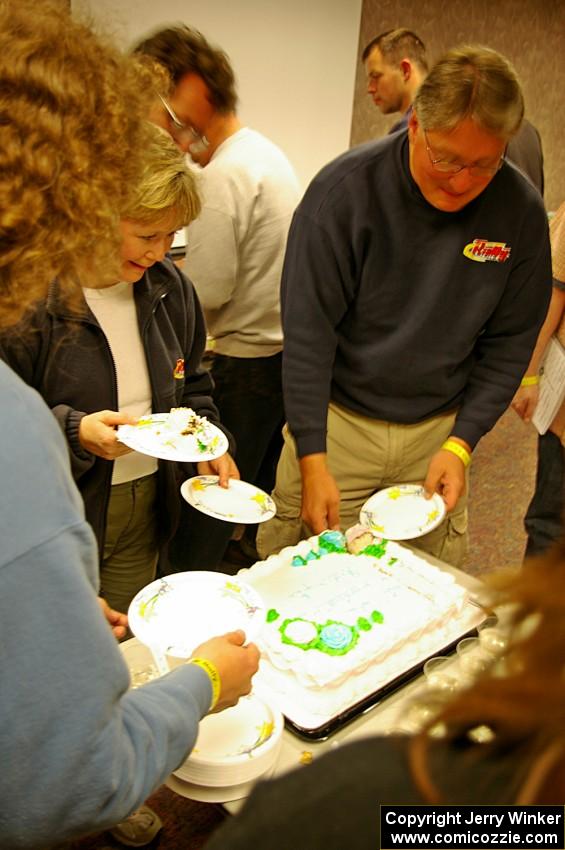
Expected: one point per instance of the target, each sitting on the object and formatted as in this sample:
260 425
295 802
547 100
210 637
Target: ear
413 125
406 69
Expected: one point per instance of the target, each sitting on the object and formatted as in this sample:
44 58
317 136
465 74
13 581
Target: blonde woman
81 751
130 347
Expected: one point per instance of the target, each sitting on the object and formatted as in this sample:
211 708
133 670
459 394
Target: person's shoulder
348 173
343 788
520 185
22 410
248 152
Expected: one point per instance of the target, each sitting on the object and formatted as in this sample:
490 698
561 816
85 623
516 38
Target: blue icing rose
336 635
332 540
297 561
313 556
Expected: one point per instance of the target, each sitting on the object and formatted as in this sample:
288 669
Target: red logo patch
178 371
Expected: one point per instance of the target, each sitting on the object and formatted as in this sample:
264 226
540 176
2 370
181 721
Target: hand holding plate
97 433
224 467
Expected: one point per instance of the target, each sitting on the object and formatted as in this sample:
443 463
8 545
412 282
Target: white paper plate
158 436
241 502
402 512
234 746
173 615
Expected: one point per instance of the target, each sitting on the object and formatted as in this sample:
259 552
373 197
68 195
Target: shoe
139 829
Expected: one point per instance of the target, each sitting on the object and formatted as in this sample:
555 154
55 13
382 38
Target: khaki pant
366 455
130 547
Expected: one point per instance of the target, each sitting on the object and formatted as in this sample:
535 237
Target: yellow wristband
212 671
459 450
530 381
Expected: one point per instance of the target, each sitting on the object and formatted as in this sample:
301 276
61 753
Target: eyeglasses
447 167
181 132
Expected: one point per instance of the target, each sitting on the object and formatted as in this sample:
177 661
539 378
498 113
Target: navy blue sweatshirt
399 311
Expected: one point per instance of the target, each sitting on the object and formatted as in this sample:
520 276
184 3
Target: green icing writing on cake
331 637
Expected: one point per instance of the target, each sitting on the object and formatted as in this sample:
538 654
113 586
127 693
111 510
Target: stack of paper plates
234 747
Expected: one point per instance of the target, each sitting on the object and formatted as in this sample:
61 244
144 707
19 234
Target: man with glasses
235 251
416 277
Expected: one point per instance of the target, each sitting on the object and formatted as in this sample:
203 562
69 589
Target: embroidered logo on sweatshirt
482 251
178 371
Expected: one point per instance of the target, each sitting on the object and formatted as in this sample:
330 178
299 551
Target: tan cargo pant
366 455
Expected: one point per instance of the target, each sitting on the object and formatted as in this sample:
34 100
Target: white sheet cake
340 625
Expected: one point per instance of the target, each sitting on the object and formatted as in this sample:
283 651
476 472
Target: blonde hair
71 142
471 82
524 707
166 184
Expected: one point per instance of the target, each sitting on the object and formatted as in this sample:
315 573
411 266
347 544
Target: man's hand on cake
224 467
446 476
320 494
236 665
97 433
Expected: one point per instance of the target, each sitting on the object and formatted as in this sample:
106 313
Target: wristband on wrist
529 381
459 450
214 676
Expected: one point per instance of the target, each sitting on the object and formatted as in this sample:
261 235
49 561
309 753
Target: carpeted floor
502 482
502 478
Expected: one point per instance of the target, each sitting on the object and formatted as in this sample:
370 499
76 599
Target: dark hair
182 50
396 45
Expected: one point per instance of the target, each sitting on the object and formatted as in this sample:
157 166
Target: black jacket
65 356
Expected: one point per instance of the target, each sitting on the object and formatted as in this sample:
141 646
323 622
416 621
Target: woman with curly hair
80 751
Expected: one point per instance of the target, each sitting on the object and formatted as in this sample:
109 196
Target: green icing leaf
377 617
375 550
364 624
272 615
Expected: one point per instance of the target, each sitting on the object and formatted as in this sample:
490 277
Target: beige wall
531 33
294 61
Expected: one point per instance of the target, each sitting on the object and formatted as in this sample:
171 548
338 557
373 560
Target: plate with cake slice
402 512
179 435
239 502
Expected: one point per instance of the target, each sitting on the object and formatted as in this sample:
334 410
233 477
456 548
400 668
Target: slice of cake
339 625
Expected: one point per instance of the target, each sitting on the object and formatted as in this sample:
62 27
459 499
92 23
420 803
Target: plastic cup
140 661
441 673
472 657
